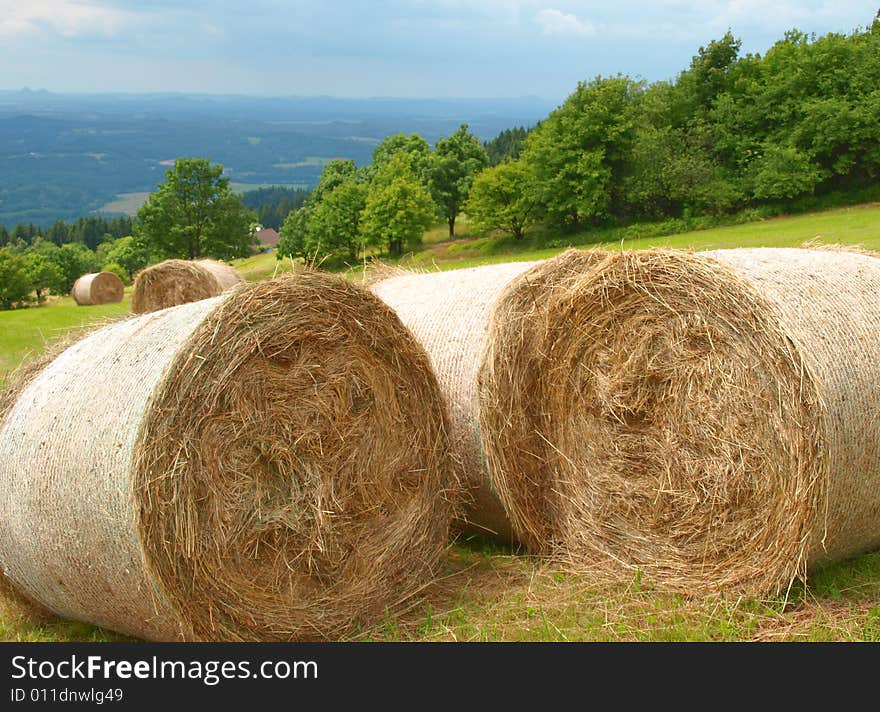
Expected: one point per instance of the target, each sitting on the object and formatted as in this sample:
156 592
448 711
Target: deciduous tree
195 214
457 160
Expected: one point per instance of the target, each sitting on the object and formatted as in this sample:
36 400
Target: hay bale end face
174 282
271 464
706 419
98 288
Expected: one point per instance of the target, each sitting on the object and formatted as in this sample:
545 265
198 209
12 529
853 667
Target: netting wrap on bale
174 282
271 464
709 419
451 314
98 288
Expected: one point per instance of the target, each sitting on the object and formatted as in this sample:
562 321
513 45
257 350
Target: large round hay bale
451 314
98 288
709 420
270 464
174 282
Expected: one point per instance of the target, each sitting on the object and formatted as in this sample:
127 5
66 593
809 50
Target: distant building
268 238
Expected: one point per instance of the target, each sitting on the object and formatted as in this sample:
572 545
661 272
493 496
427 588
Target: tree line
731 132
274 203
90 231
387 204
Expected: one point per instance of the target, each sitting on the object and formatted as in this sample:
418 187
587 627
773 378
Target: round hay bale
708 419
271 464
98 288
451 314
174 282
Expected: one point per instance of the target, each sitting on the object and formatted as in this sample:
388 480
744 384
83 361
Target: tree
294 235
14 285
506 146
334 225
74 260
457 160
130 254
502 198
42 274
397 212
580 152
783 172
195 214
413 148
334 174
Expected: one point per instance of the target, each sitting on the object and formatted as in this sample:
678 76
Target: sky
400 48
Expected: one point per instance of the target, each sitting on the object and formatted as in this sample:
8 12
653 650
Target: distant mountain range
67 155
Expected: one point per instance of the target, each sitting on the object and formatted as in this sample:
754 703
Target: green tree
415 150
502 198
74 259
294 235
334 174
334 225
398 210
14 285
457 160
580 153
130 254
195 214
783 172
506 146
43 275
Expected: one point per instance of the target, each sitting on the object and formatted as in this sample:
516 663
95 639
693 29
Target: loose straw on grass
271 464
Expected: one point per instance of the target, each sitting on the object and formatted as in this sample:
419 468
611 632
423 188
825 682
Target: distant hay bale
709 420
98 288
270 464
174 282
451 314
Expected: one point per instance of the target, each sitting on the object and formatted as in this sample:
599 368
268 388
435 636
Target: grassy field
487 592
26 331
859 225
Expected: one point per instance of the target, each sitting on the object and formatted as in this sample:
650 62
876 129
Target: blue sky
405 48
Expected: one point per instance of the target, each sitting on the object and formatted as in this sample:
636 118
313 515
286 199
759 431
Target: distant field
127 203
491 593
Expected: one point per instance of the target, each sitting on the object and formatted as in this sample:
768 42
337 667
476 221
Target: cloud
556 22
62 17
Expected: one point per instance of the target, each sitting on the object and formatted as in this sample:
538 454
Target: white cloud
556 22
68 18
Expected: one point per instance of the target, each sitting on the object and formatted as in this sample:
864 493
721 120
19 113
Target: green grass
852 225
24 331
487 592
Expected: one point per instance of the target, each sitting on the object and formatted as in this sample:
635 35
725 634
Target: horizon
247 95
